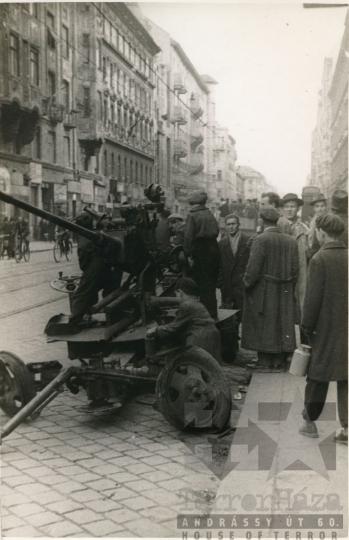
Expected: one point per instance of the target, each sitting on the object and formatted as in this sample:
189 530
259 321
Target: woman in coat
325 322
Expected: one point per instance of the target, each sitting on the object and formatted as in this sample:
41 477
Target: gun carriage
116 358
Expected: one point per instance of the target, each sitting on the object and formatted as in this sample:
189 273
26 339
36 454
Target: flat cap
232 216
188 286
331 224
175 217
197 197
339 200
269 213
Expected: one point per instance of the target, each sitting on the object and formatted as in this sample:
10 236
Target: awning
99 183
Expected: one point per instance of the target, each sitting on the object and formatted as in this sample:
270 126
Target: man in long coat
268 319
339 205
325 322
235 253
201 248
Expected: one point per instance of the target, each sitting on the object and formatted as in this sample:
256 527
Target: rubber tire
69 253
26 253
202 359
17 255
23 378
57 252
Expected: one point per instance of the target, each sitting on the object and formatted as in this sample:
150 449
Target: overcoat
232 270
192 326
268 319
325 313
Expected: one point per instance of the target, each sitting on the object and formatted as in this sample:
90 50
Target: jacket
232 270
200 225
325 313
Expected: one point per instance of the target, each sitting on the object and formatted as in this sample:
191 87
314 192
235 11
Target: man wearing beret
291 224
192 325
201 248
325 322
339 205
235 253
268 319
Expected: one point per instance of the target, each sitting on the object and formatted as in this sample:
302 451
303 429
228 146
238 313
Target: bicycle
62 246
22 250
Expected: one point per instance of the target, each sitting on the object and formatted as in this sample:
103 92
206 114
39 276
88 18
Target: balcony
178 84
196 106
69 121
179 116
180 148
55 112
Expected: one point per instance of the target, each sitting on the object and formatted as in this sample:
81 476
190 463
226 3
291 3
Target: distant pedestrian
291 224
201 248
325 322
268 319
339 205
224 210
320 207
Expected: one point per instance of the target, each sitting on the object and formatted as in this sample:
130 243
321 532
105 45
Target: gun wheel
192 391
17 385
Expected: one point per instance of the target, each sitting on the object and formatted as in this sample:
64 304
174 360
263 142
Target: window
50 22
141 174
125 120
125 168
100 107
34 66
65 42
131 171
104 68
97 164
112 164
66 145
14 55
146 175
51 147
34 9
114 36
112 115
119 167
105 163
99 55
86 102
105 107
126 85
51 83
136 173
219 175
111 75
119 117
65 96
37 144
86 48
127 49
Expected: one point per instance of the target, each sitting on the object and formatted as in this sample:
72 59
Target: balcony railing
179 84
180 147
180 115
55 112
69 121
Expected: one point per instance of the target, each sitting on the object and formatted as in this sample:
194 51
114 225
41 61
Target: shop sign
86 190
35 173
59 193
4 179
74 187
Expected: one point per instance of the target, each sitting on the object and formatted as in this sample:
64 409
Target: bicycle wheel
26 253
69 250
18 254
57 252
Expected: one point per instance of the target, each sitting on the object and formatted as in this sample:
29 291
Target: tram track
28 308
11 276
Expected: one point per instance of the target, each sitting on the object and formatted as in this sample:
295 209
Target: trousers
315 398
272 359
205 272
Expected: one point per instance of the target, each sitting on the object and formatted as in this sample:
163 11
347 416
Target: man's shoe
258 368
341 438
308 429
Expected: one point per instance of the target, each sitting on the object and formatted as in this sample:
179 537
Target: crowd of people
13 231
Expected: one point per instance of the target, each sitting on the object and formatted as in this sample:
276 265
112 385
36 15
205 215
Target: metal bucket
300 361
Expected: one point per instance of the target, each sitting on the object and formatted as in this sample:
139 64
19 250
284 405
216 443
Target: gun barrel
73 227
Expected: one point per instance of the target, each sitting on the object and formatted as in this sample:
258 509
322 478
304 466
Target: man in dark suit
235 254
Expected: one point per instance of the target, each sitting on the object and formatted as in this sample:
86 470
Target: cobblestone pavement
72 474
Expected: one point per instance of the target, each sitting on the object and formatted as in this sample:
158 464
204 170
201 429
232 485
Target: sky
268 61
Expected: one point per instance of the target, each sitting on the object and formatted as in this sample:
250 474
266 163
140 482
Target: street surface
80 475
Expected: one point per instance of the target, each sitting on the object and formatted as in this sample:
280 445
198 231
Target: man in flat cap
339 205
201 248
268 319
192 325
291 224
319 204
325 322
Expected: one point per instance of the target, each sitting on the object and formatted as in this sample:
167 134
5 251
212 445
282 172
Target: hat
319 198
339 200
331 224
188 286
175 217
269 213
197 197
291 197
231 216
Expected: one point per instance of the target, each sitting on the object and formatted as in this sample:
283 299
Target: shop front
74 190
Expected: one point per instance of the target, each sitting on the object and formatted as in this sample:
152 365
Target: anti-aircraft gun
116 356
